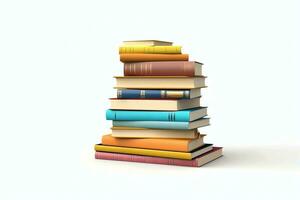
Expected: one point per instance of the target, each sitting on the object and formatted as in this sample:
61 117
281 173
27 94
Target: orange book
184 145
139 57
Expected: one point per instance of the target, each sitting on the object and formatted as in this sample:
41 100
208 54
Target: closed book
184 145
139 115
198 161
163 124
154 104
158 94
150 49
157 153
166 68
159 82
147 43
134 132
140 57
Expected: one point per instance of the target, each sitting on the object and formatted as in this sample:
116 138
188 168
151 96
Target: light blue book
142 115
163 124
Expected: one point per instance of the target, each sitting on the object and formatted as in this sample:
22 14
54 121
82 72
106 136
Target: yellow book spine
144 152
150 49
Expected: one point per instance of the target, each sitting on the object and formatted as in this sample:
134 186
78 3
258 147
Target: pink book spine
144 159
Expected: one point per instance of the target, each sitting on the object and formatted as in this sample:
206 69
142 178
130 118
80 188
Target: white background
57 60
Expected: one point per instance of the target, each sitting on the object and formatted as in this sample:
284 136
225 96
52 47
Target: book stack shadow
157 112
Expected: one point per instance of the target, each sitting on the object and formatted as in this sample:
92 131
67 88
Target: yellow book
157 153
150 49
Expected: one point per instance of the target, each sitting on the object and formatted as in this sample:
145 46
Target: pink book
215 153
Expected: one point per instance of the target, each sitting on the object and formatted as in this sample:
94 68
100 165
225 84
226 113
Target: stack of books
157 112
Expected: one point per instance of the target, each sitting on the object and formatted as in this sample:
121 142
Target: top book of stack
150 50
147 43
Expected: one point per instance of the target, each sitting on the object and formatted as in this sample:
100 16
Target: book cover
150 49
139 115
139 57
166 68
184 145
200 160
156 153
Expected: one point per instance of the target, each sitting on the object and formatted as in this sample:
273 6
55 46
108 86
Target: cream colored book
153 104
163 124
131 132
146 43
159 82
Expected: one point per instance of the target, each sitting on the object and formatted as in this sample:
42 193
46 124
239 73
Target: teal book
139 115
163 124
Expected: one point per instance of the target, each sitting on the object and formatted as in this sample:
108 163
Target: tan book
132 132
146 43
153 104
163 124
159 82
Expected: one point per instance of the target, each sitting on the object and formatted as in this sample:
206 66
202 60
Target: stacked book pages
157 111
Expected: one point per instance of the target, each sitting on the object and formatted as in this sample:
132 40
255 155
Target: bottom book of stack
182 152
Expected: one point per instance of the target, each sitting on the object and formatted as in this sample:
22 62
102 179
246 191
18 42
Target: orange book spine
148 143
139 57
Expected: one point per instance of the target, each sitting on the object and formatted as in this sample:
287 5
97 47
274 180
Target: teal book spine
124 115
153 124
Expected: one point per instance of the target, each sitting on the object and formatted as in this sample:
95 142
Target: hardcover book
139 115
198 161
134 132
159 82
147 43
157 153
139 57
158 94
164 124
184 145
166 68
150 49
154 104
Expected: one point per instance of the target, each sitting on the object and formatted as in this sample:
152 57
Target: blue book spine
152 94
125 115
153 124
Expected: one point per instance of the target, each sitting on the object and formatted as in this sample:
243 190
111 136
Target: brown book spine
139 57
177 68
